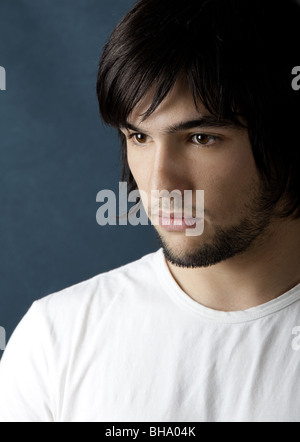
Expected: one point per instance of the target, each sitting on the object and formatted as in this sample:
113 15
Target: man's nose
169 169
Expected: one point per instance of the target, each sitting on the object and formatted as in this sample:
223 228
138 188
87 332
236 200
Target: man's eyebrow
206 121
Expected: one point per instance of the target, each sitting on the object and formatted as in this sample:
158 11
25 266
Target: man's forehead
204 121
178 111
166 118
178 105
166 123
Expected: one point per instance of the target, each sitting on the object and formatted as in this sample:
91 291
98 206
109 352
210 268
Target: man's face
212 157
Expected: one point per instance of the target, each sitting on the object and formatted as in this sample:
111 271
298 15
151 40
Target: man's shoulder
102 288
65 320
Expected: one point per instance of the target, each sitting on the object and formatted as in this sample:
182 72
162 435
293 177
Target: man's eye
203 139
139 138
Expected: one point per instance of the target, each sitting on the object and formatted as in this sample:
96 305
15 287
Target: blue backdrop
55 154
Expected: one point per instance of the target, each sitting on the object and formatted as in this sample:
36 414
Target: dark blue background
55 154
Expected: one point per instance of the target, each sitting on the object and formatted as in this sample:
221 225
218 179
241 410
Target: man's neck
267 271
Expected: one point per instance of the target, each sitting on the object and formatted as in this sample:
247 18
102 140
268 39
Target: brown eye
202 139
140 138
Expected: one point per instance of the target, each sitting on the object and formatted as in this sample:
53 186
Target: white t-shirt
130 346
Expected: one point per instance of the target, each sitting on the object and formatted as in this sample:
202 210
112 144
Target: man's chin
203 252
184 251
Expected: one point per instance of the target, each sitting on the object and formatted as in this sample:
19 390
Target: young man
206 329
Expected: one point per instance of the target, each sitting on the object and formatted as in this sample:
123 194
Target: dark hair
237 56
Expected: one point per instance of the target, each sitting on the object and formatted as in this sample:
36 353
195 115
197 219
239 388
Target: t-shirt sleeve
26 372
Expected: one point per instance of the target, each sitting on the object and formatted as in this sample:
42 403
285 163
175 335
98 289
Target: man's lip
173 215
